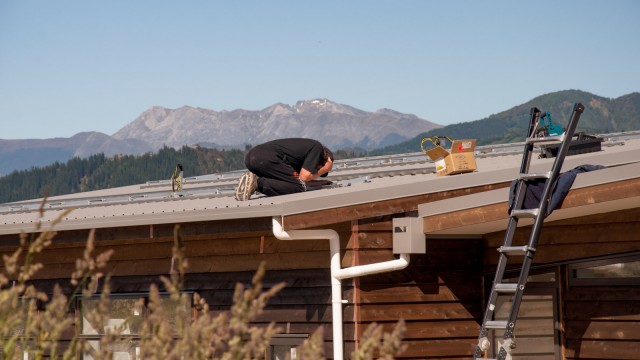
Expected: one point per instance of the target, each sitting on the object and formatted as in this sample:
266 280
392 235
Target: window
621 270
27 306
283 346
537 336
127 312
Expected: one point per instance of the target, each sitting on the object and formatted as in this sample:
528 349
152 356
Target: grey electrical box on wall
408 237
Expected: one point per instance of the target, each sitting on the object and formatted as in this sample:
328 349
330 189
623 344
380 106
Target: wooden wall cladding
219 258
584 237
303 306
602 322
598 322
205 253
439 295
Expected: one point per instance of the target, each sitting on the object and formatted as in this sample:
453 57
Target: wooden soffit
602 191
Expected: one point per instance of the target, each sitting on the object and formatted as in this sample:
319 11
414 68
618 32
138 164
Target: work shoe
247 185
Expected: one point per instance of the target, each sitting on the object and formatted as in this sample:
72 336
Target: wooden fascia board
377 208
466 217
498 212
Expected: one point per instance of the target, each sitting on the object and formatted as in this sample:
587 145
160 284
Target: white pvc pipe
369 269
337 273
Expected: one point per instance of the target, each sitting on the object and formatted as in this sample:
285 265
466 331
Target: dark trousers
275 177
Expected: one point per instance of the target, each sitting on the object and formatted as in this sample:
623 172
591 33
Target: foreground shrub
26 327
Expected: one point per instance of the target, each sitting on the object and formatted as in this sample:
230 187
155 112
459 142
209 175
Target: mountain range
601 115
336 125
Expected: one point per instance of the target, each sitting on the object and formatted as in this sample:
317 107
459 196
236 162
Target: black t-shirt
299 153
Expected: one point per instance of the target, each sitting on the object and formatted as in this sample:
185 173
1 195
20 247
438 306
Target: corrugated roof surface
209 197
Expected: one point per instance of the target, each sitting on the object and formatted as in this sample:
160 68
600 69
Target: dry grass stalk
169 331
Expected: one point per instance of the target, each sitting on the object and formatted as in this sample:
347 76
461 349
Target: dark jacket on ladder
535 188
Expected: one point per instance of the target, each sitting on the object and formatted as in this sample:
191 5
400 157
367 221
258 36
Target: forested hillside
101 172
601 115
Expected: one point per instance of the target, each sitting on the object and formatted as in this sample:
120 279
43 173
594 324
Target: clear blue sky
68 66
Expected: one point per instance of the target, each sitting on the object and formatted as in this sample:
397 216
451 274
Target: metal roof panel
208 197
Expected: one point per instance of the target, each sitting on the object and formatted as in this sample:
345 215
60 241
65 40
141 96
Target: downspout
337 273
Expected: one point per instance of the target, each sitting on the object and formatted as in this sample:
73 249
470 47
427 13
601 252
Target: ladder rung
527 213
506 288
546 139
515 250
492 324
545 175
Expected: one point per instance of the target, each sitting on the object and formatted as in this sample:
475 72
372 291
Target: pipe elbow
324 234
278 231
376 268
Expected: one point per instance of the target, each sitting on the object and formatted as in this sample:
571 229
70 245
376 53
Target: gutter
337 273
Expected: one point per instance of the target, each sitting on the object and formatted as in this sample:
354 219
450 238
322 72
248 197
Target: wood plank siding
578 238
596 322
219 256
438 295
602 322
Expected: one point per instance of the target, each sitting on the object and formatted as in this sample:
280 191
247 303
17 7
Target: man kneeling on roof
284 166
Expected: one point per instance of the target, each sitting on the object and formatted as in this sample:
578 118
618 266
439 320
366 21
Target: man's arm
306 176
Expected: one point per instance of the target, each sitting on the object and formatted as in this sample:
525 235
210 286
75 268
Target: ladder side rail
497 279
521 190
517 299
534 119
521 187
537 226
530 253
504 257
555 171
500 269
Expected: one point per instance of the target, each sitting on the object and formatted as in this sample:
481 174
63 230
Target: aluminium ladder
516 290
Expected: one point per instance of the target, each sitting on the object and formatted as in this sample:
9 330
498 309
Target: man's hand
326 167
